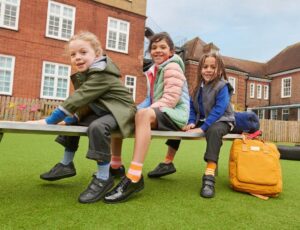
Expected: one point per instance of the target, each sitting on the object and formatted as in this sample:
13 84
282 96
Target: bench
28 128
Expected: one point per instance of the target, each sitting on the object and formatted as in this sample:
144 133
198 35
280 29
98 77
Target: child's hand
197 130
42 122
188 127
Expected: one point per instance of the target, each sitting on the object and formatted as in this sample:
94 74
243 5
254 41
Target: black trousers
214 141
99 134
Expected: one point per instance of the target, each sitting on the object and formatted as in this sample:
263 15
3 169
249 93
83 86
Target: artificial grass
172 202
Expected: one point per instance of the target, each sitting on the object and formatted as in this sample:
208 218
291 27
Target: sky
255 30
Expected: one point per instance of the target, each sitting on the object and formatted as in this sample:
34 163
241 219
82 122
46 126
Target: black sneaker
162 169
96 190
117 173
208 186
124 190
59 171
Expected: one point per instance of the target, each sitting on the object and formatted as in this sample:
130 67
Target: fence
281 131
20 109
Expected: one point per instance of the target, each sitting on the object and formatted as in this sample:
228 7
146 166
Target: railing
22 109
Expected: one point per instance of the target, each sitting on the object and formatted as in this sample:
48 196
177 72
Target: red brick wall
276 90
256 102
30 46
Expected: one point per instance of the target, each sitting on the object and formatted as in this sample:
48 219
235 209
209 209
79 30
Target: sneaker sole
125 199
57 178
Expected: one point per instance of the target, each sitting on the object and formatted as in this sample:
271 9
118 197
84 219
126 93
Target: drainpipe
246 99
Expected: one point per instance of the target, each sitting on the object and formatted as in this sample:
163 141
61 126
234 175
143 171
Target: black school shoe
208 186
117 173
162 169
124 190
59 171
96 190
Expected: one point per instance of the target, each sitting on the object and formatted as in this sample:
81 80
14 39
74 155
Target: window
286 87
60 21
232 83
130 83
266 92
55 81
274 115
117 35
261 113
259 91
285 114
9 14
7 66
252 90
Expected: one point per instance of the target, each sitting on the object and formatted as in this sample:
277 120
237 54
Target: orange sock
210 168
169 158
116 162
135 171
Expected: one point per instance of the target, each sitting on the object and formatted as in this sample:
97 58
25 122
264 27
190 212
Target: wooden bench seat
23 127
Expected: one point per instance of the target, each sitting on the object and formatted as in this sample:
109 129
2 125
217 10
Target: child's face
160 52
82 55
208 70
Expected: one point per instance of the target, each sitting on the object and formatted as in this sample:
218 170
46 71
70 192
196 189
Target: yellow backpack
254 168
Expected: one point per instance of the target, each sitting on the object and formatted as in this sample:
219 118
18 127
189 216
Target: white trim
282 87
55 76
252 90
287 112
232 81
12 73
266 92
236 72
276 107
116 31
4 3
132 88
259 79
284 72
259 91
60 17
298 114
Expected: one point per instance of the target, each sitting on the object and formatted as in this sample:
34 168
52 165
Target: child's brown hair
220 70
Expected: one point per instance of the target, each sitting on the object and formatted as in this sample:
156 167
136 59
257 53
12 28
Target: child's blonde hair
88 37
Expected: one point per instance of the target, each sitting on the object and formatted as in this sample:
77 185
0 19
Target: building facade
34 33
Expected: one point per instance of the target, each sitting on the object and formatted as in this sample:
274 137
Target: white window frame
60 17
117 32
261 113
55 75
298 114
274 114
266 92
259 91
4 5
231 80
286 90
252 90
131 87
12 73
285 112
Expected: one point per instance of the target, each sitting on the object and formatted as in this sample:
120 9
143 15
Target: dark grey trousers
214 141
99 134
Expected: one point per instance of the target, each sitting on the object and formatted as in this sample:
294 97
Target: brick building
33 35
270 89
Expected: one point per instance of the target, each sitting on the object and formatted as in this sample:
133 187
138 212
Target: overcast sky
247 29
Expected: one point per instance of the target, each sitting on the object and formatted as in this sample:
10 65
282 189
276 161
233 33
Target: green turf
169 203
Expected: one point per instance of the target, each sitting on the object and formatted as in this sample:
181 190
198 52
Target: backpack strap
260 196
